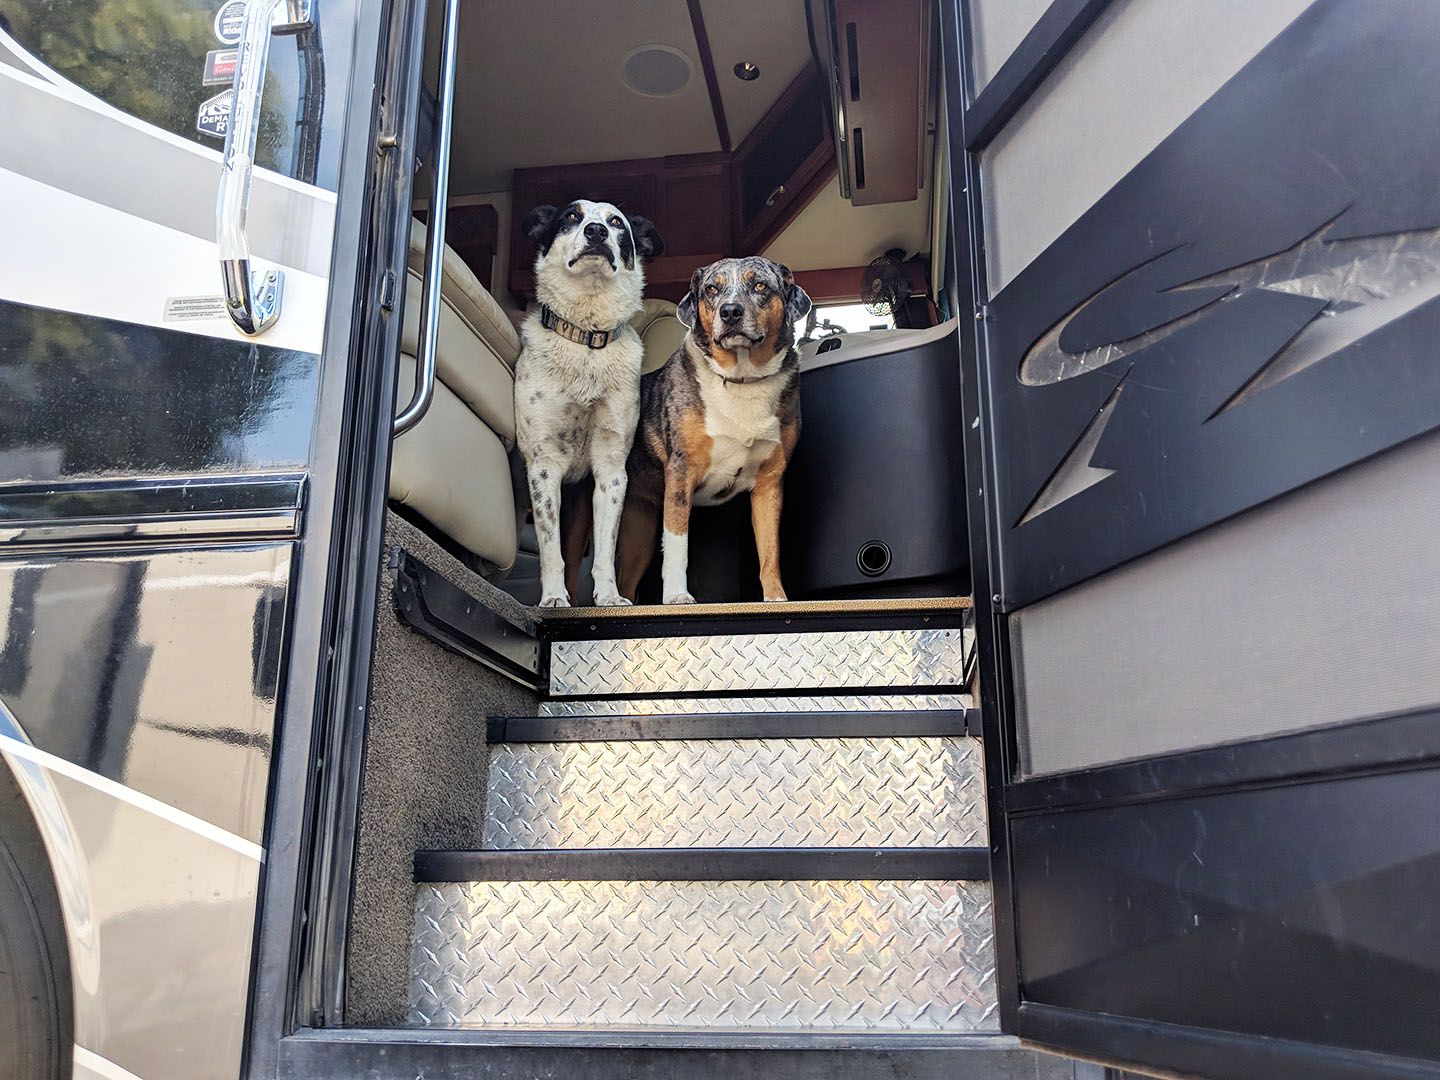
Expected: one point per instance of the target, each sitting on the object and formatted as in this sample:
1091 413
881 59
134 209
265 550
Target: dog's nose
596 233
732 312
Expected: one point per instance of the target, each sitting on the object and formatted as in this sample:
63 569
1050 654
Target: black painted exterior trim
650 626
432 605
1175 1049
705 864
143 497
1386 744
991 637
298 973
899 723
458 1054
1048 42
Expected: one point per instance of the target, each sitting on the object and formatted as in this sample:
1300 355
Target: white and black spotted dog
577 382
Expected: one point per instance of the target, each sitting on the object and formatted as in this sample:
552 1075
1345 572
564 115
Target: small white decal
213 116
195 308
220 67
228 20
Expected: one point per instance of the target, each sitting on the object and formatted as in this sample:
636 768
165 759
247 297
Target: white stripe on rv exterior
68 253
91 1066
144 888
69 139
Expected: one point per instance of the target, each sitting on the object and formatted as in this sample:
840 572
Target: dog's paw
555 600
782 598
611 600
680 598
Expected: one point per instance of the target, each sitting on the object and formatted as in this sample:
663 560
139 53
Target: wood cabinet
706 206
686 196
781 165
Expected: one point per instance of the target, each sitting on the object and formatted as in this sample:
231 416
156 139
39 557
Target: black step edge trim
706 864
899 723
430 604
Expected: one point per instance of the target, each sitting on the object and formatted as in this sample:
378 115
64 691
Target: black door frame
298 970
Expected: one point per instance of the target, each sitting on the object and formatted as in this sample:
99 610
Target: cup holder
873 558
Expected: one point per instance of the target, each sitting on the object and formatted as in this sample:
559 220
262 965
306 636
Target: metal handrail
424 392
252 297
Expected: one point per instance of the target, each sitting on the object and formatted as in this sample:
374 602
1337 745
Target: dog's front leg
608 452
765 519
545 503
675 543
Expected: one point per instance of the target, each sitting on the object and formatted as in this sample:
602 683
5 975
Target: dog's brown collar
591 339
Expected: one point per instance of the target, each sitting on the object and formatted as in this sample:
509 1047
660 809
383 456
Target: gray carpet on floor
424 782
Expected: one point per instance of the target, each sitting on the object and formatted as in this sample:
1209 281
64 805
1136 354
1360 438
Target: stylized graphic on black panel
1256 305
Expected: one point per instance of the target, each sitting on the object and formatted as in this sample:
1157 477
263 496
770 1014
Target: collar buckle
598 339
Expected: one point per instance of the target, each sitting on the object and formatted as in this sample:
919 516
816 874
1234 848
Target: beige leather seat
660 330
452 467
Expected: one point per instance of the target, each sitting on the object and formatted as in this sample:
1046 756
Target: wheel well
29 897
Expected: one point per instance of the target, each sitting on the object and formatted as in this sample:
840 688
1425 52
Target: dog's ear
797 300
537 224
686 312
647 237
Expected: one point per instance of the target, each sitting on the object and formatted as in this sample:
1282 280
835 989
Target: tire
36 1013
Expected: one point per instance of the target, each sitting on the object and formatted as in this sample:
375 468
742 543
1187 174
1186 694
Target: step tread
726 664
857 792
872 957
706 864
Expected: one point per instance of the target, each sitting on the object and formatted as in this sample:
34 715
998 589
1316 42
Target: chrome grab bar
252 297
435 229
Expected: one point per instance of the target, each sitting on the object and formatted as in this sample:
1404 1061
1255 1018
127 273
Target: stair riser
879 956
748 663
875 792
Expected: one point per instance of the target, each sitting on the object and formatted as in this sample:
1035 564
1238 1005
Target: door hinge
387 291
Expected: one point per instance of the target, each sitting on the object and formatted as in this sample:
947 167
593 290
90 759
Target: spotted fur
720 418
576 407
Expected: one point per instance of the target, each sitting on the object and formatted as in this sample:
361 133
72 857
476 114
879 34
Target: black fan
884 286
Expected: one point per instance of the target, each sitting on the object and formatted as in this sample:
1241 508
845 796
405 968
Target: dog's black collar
749 379
591 339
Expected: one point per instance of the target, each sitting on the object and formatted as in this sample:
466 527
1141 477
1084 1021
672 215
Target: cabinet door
782 164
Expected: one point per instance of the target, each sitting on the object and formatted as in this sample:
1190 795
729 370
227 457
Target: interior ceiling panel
540 84
831 232
769 34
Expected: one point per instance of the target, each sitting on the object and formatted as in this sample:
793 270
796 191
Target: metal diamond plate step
755 704
863 792
746 663
878 956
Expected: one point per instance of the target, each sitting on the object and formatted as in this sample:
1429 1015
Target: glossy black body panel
91 398
1303 912
156 668
1326 136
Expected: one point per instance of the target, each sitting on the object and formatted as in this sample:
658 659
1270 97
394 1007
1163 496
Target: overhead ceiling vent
657 70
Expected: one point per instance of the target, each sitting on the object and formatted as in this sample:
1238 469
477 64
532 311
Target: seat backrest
468 298
660 330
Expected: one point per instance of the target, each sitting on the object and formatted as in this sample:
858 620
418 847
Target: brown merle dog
720 418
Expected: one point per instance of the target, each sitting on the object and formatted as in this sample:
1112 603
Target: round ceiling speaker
657 70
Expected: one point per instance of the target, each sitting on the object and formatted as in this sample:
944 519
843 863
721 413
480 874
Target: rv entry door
1201 243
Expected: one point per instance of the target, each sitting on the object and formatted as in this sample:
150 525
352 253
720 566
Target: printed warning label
195 308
